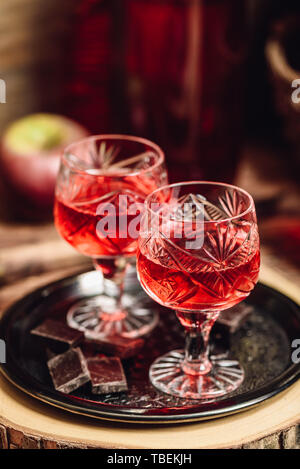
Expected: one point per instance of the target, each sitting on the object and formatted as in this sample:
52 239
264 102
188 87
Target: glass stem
114 270
196 360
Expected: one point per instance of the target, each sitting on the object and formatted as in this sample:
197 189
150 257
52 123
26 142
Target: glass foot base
98 317
166 375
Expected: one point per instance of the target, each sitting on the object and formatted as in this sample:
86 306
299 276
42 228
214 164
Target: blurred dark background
193 75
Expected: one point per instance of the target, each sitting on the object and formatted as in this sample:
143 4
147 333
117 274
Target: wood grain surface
34 35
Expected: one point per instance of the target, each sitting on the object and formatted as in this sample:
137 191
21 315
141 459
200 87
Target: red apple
30 154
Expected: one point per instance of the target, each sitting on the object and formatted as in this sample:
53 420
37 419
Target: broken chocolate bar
58 335
234 317
69 370
227 324
107 375
50 354
117 346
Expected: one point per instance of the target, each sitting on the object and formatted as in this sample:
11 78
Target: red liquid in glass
78 221
215 277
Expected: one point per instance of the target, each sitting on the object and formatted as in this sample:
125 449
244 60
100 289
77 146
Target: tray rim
121 415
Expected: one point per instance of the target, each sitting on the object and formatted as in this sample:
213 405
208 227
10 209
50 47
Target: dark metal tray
262 344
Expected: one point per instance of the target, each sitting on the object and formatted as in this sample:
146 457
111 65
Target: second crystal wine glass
198 254
101 185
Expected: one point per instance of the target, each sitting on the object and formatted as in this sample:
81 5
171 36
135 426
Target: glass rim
132 138
208 183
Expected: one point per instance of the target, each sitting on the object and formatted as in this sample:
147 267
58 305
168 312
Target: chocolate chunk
234 317
117 346
90 352
107 375
69 370
50 354
58 335
227 324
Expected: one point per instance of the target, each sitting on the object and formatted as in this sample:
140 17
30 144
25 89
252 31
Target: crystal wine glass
198 254
101 186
